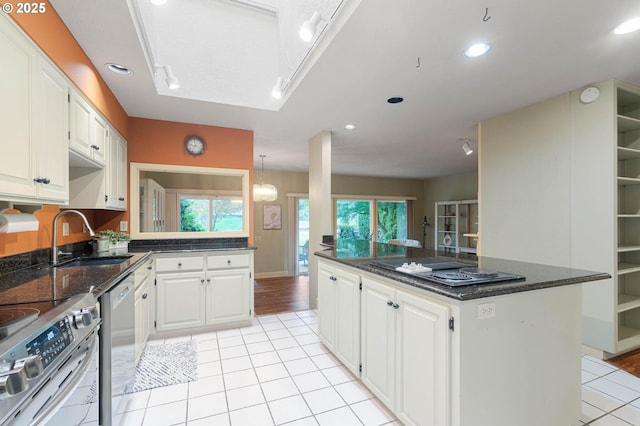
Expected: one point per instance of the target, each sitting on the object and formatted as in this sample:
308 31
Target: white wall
524 180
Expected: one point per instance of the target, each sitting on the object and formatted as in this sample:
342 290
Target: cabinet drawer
142 272
228 261
177 264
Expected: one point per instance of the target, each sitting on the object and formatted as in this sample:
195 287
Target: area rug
167 364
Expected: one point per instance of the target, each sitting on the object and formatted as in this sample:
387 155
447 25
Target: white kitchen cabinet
143 299
406 352
228 296
339 313
88 133
104 187
180 301
116 172
33 123
203 290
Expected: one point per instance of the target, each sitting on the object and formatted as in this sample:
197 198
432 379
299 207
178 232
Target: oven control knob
82 319
93 310
32 366
14 382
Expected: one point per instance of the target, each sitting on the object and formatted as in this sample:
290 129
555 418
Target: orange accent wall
49 32
151 141
162 142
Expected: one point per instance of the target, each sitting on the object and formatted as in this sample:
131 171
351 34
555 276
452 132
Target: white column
320 207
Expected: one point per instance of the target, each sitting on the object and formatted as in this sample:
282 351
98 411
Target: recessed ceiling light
395 100
350 126
119 69
628 26
158 2
477 49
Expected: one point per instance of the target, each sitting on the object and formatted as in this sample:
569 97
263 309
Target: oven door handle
47 411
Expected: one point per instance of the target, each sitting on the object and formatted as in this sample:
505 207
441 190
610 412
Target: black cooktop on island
445 271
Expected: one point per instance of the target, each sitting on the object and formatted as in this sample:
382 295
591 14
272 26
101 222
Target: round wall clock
195 145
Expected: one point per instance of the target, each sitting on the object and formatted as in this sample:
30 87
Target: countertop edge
459 293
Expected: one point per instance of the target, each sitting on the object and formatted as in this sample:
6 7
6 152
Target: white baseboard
273 274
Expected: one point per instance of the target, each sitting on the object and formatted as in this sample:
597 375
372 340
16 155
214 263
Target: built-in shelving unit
628 217
456 226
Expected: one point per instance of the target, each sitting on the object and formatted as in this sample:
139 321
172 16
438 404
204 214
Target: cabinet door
99 138
422 361
378 337
51 129
80 125
326 305
116 172
16 167
228 297
180 301
143 311
347 320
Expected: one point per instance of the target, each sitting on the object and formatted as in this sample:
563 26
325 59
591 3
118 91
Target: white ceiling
409 48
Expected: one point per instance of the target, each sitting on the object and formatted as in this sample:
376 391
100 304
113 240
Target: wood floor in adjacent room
281 294
629 362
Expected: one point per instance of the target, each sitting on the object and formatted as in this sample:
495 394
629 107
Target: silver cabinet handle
144 296
228 262
208 280
389 303
41 179
96 147
120 198
179 264
396 306
149 267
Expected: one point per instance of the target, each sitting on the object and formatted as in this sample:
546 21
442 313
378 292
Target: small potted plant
112 241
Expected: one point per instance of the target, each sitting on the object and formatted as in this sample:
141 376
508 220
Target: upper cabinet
93 187
116 172
33 123
88 133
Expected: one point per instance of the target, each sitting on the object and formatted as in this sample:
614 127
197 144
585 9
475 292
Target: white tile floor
273 372
610 396
277 372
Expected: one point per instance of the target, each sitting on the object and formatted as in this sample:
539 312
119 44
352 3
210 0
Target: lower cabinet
406 353
339 313
143 300
142 317
203 290
180 300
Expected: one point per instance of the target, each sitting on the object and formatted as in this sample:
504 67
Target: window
378 220
210 213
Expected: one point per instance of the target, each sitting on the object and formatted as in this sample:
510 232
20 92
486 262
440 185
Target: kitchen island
473 355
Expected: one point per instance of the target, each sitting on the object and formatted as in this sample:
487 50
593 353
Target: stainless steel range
445 271
48 345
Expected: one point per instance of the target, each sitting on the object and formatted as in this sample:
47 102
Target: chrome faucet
54 246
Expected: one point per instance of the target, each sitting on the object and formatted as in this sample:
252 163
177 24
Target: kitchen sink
94 261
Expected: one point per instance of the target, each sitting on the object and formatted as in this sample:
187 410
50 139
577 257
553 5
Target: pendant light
264 191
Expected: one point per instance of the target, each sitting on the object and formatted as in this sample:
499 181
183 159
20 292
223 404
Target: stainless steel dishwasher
117 351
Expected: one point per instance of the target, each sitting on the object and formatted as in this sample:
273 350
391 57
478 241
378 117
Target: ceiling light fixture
309 27
278 88
171 80
350 126
158 2
118 69
477 50
465 146
628 26
264 191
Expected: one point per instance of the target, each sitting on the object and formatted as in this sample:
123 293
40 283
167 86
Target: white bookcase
628 217
456 226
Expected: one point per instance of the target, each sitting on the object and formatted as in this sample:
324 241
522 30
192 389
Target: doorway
302 236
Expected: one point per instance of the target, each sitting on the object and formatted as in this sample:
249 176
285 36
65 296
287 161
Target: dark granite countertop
360 254
43 282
